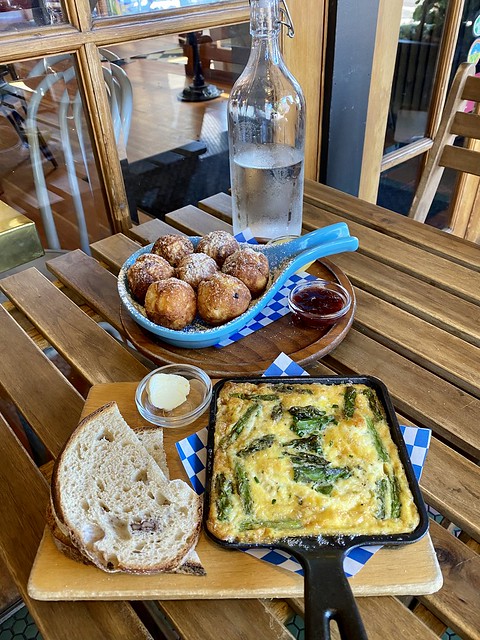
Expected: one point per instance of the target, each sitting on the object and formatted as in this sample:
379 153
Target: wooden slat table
417 327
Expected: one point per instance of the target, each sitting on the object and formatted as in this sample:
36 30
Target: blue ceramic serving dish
284 260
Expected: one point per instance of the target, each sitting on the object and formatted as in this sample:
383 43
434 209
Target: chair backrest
119 92
461 117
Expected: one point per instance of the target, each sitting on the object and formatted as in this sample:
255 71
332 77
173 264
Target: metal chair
119 91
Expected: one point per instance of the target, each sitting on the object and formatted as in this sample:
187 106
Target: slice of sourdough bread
112 500
152 440
191 565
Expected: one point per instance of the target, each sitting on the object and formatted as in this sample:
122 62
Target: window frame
81 37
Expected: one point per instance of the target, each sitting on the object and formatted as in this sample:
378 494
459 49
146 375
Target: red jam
319 301
317 306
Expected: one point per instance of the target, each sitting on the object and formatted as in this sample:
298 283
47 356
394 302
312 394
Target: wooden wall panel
304 55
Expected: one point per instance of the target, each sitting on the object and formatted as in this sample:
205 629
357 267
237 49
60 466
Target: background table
417 327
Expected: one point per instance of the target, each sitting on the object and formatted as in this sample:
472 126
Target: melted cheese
342 476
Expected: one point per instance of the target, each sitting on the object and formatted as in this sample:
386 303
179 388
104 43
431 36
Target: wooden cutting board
406 570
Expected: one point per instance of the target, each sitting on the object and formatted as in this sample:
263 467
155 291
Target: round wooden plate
254 353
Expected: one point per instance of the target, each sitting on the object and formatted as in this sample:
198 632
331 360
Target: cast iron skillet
327 592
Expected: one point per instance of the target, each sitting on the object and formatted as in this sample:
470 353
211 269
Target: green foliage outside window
427 21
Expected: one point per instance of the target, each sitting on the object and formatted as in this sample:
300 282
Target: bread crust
71 542
61 538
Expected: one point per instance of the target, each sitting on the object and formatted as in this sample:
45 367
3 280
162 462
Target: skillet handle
328 597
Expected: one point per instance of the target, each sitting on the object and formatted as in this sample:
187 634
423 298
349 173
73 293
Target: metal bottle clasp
287 21
287 18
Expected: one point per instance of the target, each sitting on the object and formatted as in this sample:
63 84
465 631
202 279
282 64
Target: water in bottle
266 126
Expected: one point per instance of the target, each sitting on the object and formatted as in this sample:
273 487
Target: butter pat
167 390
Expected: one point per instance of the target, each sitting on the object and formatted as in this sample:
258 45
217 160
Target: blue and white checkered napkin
193 454
275 309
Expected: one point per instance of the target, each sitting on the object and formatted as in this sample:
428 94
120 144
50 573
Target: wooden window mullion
98 116
79 14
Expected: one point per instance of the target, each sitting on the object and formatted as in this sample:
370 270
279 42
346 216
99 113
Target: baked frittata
305 459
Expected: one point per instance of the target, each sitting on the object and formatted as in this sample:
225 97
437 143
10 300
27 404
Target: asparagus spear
259 444
306 413
243 487
382 452
277 412
270 524
224 491
240 424
395 504
374 403
312 443
322 477
255 396
309 420
388 496
382 491
349 402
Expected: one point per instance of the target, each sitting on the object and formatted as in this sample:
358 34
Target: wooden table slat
446 275
394 251
95 285
109 249
392 224
435 349
149 231
237 619
438 307
23 507
26 373
450 484
408 385
112 252
457 602
195 222
429 619
368 215
87 347
384 617
219 205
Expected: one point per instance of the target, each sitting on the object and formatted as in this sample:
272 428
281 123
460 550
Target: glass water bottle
266 129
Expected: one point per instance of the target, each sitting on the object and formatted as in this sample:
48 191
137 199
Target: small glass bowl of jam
319 303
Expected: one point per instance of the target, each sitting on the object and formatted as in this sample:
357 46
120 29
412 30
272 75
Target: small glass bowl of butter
174 395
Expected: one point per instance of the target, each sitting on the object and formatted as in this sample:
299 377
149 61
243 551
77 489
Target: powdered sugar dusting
195 268
218 245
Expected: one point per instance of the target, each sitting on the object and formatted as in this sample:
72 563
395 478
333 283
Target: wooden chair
458 120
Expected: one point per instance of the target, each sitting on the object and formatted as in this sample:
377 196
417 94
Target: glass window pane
18 15
397 188
109 8
177 150
418 48
420 33
47 168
